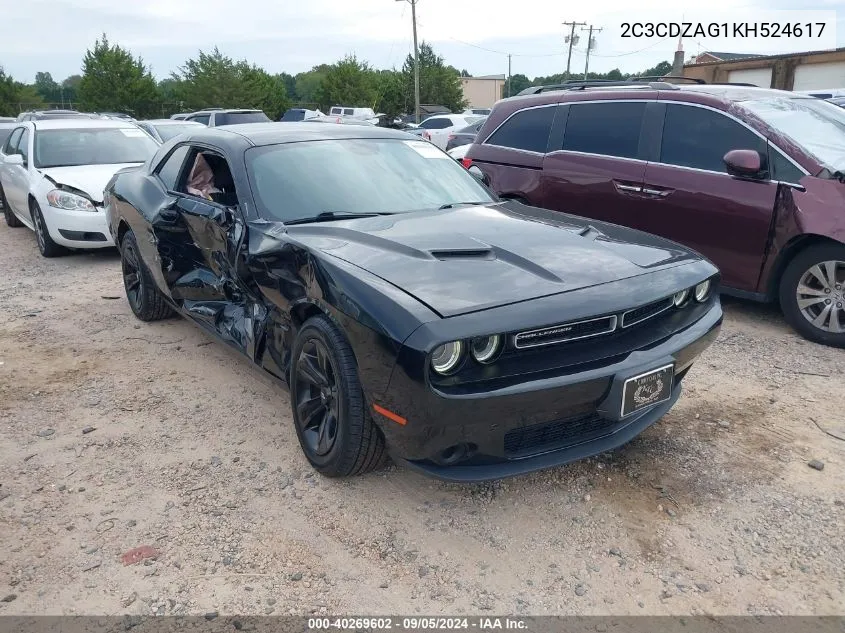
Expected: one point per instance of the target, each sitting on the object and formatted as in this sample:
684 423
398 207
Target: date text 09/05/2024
418 623
723 29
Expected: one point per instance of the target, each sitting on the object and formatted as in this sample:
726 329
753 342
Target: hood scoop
590 232
462 253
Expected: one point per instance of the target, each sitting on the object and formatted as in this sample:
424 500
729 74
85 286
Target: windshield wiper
450 205
327 216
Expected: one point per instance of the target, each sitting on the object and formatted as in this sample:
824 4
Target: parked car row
473 320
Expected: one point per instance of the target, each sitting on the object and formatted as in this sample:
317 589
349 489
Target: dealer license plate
648 389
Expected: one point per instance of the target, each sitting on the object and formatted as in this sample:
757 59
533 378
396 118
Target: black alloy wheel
145 300
334 427
317 402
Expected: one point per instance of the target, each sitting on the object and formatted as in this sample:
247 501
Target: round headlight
702 290
446 357
680 298
484 348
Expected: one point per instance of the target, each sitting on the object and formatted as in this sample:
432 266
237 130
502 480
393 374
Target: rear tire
334 427
46 244
11 218
812 294
145 299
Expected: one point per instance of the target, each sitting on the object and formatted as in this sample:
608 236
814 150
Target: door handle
659 193
627 188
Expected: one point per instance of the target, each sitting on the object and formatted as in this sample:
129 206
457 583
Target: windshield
168 131
92 146
294 115
301 180
814 124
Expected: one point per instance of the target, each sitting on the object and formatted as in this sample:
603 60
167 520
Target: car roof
226 110
742 93
274 133
75 124
169 122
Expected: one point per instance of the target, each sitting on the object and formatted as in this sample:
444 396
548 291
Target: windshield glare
814 124
92 146
301 180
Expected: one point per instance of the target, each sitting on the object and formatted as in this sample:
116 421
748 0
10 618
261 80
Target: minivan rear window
526 130
610 129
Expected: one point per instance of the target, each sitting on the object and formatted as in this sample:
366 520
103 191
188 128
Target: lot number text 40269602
723 29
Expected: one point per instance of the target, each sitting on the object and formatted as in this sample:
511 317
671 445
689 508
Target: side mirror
745 163
14 159
479 175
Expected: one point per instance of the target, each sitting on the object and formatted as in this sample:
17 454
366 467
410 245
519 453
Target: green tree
518 83
439 84
215 80
113 80
308 83
663 68
69 90
390 86
290 86
48 89
347 82
16 97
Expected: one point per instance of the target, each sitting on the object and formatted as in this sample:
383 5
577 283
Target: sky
294 35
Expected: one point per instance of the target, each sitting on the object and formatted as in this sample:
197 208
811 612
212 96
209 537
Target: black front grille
565 332
556 435
642 313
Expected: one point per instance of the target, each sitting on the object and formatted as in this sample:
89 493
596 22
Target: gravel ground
119 435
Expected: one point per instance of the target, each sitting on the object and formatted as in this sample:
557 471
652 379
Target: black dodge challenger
409 310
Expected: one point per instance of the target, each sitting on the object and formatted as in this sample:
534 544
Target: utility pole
571 39
589 48
416 59
509 74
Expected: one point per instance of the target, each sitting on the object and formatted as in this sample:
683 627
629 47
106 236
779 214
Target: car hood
90 179
473 258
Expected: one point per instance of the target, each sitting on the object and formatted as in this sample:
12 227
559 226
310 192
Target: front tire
11 218
46 244
812 294
334 428
145 299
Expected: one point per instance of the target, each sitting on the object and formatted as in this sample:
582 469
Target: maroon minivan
754 179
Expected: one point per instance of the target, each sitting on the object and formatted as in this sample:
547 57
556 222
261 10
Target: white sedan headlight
69 201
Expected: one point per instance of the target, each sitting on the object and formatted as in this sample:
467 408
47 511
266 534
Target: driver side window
23 146
208 177
11 144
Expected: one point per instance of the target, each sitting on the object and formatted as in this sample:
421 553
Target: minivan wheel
812 294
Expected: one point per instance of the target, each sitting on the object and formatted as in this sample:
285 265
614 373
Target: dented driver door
212 293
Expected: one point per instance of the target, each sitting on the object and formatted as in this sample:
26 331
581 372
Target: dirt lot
713 510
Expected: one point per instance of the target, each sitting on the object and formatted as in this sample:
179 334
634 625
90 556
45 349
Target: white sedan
52 176
437 128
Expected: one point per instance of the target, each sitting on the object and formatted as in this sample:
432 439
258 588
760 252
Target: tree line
115 80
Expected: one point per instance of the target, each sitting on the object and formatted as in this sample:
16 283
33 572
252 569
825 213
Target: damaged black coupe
409 310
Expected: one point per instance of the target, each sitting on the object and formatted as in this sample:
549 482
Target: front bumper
536 424
77 229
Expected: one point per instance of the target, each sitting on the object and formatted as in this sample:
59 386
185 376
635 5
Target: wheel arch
122 229
793 248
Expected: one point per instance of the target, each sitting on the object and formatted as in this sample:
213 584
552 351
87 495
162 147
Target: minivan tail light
466 162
